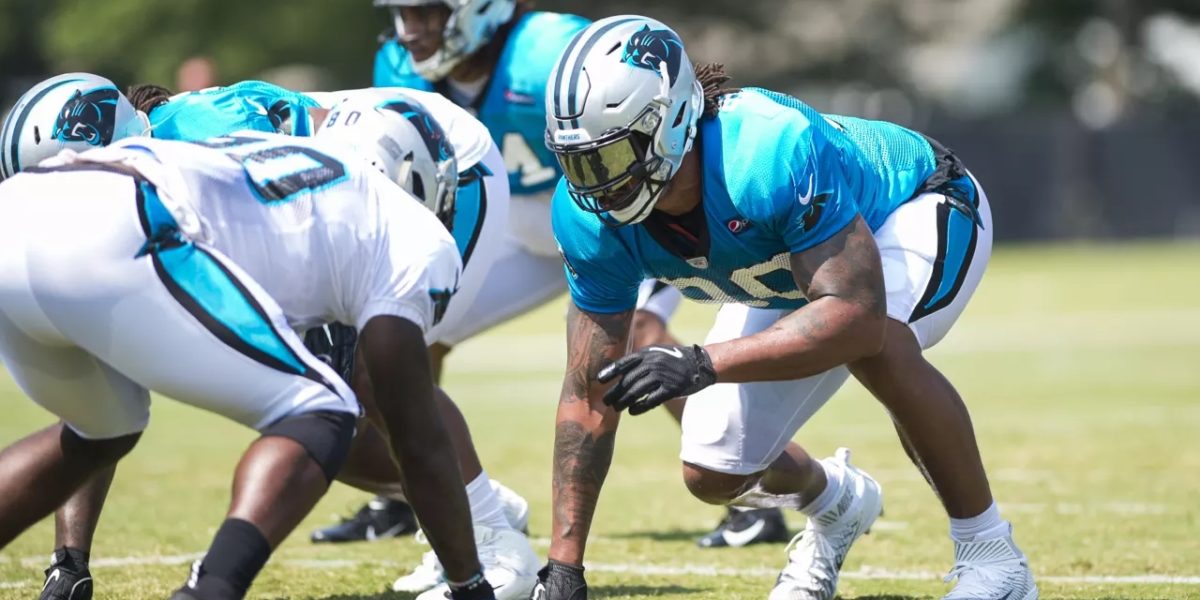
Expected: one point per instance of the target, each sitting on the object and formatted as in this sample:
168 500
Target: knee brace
324 434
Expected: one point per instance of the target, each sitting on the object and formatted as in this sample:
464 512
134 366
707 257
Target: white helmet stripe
577 67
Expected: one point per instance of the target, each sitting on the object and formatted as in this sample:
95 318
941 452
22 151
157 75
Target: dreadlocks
146 97
711 76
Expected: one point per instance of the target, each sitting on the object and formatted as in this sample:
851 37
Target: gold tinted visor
597 168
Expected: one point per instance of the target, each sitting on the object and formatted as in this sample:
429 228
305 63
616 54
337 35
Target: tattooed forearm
585 430
843 321
593 340
581 461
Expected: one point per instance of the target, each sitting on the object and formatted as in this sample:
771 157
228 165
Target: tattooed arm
585 428
843 321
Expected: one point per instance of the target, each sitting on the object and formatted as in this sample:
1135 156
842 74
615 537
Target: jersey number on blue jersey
748 279
280 172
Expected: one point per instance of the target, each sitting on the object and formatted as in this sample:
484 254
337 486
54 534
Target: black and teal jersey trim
212 293
958 234
470 210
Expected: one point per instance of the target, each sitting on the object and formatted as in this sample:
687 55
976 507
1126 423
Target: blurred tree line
1064 107
973 56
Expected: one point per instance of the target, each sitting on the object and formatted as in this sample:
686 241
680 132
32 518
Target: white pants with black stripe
87 329
933 259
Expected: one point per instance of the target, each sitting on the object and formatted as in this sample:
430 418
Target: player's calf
38 473
279 479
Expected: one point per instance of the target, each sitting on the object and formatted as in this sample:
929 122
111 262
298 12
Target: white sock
984 526
486 508
828 498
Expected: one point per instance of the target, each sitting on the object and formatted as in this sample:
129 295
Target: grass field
1081 365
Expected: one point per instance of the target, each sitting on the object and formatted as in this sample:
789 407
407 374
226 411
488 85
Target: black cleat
66 579
742 528
378 519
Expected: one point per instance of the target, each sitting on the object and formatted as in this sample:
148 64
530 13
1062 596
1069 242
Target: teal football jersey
253 105
778 178
512 106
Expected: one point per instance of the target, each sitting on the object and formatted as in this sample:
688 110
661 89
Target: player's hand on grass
655 374
559 581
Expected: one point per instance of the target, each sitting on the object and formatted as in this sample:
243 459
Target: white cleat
516 508
509 565
992 569
816 554
426 576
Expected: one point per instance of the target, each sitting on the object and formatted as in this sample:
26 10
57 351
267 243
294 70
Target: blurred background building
1081 117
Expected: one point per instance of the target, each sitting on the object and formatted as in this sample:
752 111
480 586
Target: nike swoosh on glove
655 374
559 581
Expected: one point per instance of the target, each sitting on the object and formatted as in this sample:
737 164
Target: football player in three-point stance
838 246
436 135
494 57
219 252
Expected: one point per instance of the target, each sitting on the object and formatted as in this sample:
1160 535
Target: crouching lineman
494 57
839 246
379 124
175 249
478 222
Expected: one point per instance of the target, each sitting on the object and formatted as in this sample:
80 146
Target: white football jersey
468 136
328 237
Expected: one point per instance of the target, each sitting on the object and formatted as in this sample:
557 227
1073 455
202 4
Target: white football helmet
75 111
621 112
472 24
401 139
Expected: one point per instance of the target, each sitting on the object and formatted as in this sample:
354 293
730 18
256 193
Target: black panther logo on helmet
88 117
432 133
649 47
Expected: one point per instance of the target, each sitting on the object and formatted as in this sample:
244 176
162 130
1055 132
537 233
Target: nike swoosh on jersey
745 536
805 198
669 351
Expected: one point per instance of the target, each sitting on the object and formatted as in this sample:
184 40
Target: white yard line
862 573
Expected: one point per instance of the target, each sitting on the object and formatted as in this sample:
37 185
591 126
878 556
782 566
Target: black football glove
559 581
656 374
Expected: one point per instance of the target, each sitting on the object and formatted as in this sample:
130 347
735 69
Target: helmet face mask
471 25
607 176
620 122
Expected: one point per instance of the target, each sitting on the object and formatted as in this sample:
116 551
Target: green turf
1081 366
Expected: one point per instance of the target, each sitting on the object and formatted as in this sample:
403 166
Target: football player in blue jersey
838 246
495 57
